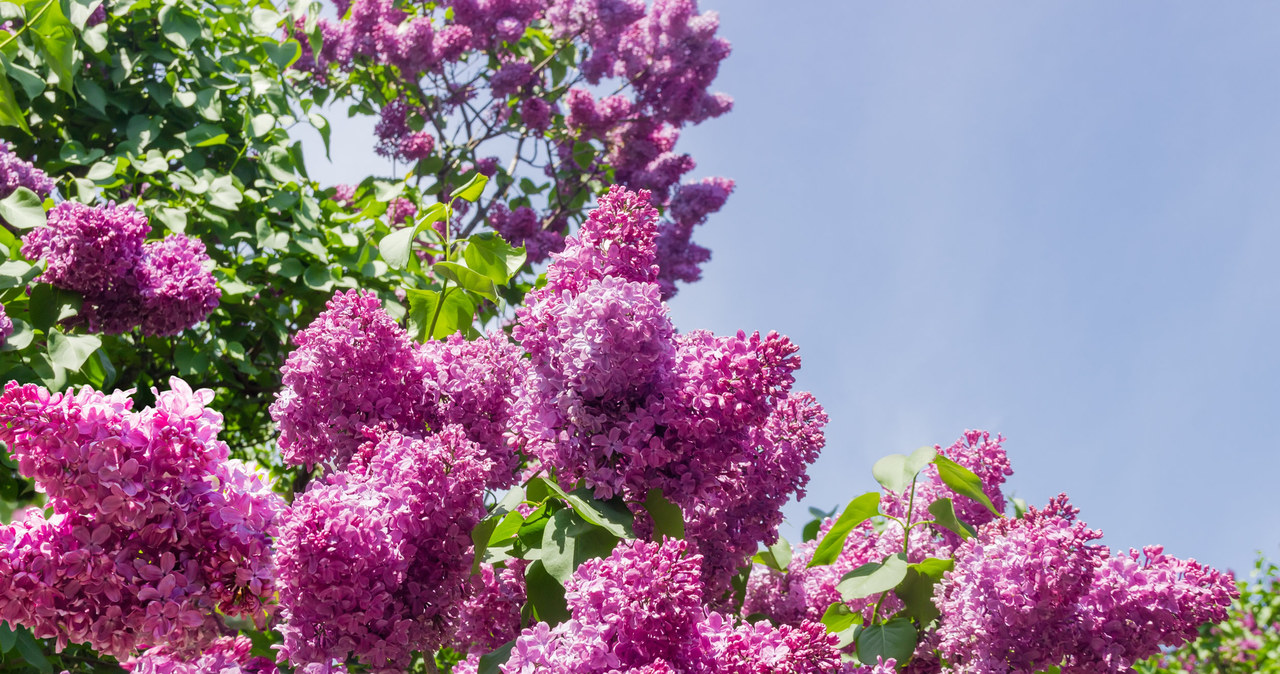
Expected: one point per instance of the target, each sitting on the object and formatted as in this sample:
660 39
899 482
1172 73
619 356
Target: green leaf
322 126
455 312
776 556
858 511
668 519
918 459
152 162
891 472
81 10
839 618
488 254
56 39
71 351
387 191
471 190
20 337
49 305
916 593
74 152
93 94
964 482
583 153
613 517
873 578
545 594
22 209
7 638
396 247
30 650
224 194
466 278
278 164
944 512
933 567
266 20
491 663
261 124
893 639
178 28
16 273
204 135
32 83
10 113
284 54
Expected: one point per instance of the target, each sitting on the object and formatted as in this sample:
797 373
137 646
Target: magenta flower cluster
355 369
101 252
152 530
616 399
6 326
1036 592
491 613
640 609
226 655
373 562
15 173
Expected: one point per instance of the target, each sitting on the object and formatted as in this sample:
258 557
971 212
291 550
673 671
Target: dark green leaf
934 567
583 153
964 482
491 663
873 578
488 254
453 315
944 513
93 94
56 39
668 519
916 593
471 190
16 273
22 209
74 152
466 279
610 516
893 639
204 135
30 650
10 113
858 511
284 54
177 27
546 594
49 305
7 638
71 351
278 164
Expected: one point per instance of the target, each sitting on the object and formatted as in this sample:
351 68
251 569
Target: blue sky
1058 221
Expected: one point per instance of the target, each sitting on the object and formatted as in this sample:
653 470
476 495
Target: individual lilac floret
15 173
491 614
640 609
153 531
6 326
94 251
227 655
354 367
178 290
373 562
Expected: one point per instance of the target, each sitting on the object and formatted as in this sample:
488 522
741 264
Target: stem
906 530
26 24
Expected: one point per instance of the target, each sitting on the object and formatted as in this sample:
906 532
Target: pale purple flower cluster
101 252
640 609
373 562
15 173
153 531
226 655
491 614
522 227
376 29
1035 592
355 369
616 399
6 326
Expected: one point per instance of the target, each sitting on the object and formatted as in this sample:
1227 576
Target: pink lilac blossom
15 173
1035 592
640 610
536 114
354 367
178 291
153 531
401 211
491 613
617 399
373 562
227 655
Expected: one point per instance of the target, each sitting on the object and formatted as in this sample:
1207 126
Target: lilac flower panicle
6 326
152 529
354 367
178 291
373 562
491 614
15 173
227 655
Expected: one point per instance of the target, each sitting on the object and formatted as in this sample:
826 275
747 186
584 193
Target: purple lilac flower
511 78
536 114
178 291
522 228
491 614
153 529
344 194
417 146
373 562
354 367
6 326
226 655
401 211
15 173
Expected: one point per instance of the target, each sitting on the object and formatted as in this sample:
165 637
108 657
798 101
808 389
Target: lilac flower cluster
153 531
665 57
226 655
1035 592
15 173
617 400
373 562
640 609
491 614
355 369
6 326
102 253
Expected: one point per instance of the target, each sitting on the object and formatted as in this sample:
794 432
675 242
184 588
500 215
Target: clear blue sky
1056 220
